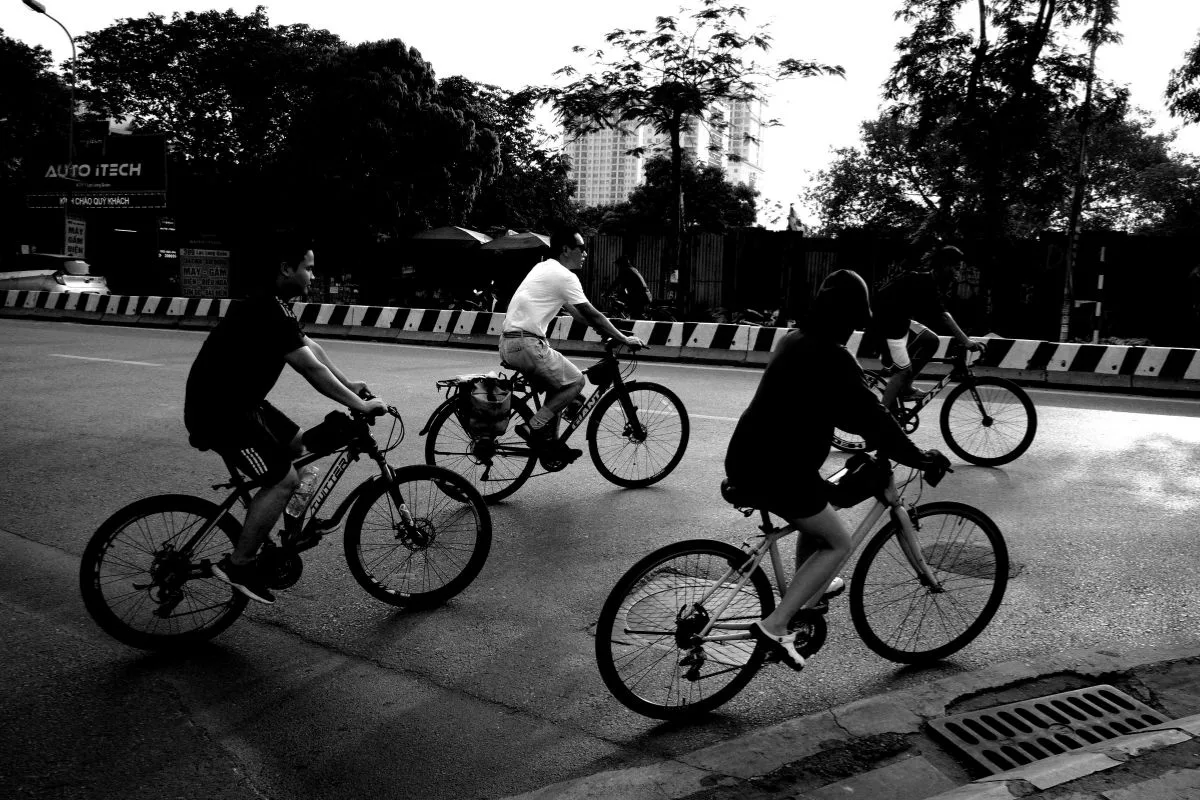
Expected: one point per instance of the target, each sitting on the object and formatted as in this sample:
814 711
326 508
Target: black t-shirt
239 362
810 386
634 285
913 295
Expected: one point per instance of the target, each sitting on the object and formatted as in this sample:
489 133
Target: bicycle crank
280 567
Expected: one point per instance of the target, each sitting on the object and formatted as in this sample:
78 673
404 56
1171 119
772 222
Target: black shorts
259 443
787 495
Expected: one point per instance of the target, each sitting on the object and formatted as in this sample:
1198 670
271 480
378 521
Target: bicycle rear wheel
143 587
988 421
647 646
902 619
496 467
425 552
629 458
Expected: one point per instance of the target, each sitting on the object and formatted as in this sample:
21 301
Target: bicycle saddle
736 496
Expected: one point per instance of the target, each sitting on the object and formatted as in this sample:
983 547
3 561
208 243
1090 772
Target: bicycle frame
296 535
522 389
960 370
888 500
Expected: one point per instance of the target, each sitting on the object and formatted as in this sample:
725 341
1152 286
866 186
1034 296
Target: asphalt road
332 694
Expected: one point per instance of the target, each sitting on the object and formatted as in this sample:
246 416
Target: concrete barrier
1070 364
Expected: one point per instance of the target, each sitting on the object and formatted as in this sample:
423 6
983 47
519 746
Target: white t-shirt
547 288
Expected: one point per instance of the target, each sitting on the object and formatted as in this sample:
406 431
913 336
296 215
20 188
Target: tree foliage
1183 87
991 96
671 77
711 203
531 187
33 111
225 89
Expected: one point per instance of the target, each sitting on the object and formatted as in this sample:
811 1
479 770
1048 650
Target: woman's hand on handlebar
935 467
634 343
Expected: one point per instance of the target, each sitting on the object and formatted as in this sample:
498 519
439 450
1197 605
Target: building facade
605 173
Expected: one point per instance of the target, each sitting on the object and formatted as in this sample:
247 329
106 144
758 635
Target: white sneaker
836 587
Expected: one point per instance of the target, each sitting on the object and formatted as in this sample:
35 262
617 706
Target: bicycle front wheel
636 455
988 421
904 620
419 540
648 646
146 587
496 467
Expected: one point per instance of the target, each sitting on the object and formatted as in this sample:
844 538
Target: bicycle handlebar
937 469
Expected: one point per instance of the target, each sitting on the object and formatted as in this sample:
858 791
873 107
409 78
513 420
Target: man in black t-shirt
634 291
226 410
905 344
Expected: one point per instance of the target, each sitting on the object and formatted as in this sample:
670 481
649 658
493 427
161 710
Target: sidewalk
883 748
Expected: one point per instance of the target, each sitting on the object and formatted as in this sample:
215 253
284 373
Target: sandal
782 646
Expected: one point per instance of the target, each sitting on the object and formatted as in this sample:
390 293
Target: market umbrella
453 233
518 241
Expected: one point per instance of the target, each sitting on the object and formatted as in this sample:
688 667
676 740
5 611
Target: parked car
51 272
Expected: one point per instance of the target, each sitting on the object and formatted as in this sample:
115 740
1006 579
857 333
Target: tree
33 119
223 88
671 78
1183 88
532 185
992 100
712 204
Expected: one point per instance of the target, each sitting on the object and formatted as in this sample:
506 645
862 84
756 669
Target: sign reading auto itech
125 172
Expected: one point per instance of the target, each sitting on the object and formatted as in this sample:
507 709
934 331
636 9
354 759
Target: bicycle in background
637 431
985 421
415 537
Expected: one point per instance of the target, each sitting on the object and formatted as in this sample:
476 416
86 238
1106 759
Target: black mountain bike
636 436
415 536
985 421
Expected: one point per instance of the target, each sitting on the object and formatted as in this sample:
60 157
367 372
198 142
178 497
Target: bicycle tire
449 516
495 474
131 573
851 442
620 456
988 421
641 667
894 613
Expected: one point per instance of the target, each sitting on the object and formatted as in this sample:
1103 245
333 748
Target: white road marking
110 360
710 416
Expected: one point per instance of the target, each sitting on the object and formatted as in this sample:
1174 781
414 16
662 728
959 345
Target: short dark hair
285 248
563 237
947 256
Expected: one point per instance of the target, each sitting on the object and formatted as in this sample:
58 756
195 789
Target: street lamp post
70 167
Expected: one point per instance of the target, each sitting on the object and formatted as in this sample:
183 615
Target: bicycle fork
907 537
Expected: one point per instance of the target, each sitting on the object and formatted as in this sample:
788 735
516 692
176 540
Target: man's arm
305 361
588 314
958 332
575 315
357 387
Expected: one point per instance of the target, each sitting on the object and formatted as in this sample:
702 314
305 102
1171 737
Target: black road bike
415 536
985 421
637 431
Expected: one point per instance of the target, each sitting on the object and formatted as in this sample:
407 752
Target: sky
515 43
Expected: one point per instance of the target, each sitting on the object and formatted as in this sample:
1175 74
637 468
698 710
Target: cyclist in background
632 288
225 408
906 345
783 437
550 287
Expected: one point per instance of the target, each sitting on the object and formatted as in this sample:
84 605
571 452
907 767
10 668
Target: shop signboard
76 237
204 272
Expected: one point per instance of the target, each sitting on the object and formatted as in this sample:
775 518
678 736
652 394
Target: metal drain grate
1006 737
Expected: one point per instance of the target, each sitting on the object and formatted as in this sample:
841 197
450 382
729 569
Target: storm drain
1005 737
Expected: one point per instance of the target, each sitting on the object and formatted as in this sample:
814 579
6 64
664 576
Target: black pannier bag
862 478
485 404
334 433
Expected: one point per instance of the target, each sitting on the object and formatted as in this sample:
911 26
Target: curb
1114 367
730 763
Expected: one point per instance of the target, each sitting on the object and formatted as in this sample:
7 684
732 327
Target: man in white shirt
549 287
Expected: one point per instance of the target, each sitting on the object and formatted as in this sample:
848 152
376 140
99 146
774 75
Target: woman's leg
825 542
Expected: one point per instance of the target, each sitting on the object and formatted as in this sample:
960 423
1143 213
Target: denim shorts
544 367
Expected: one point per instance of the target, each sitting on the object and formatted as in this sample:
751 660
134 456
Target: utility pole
70 165
1085 122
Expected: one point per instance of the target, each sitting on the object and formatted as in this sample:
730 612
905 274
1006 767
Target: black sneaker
244 578
536 437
